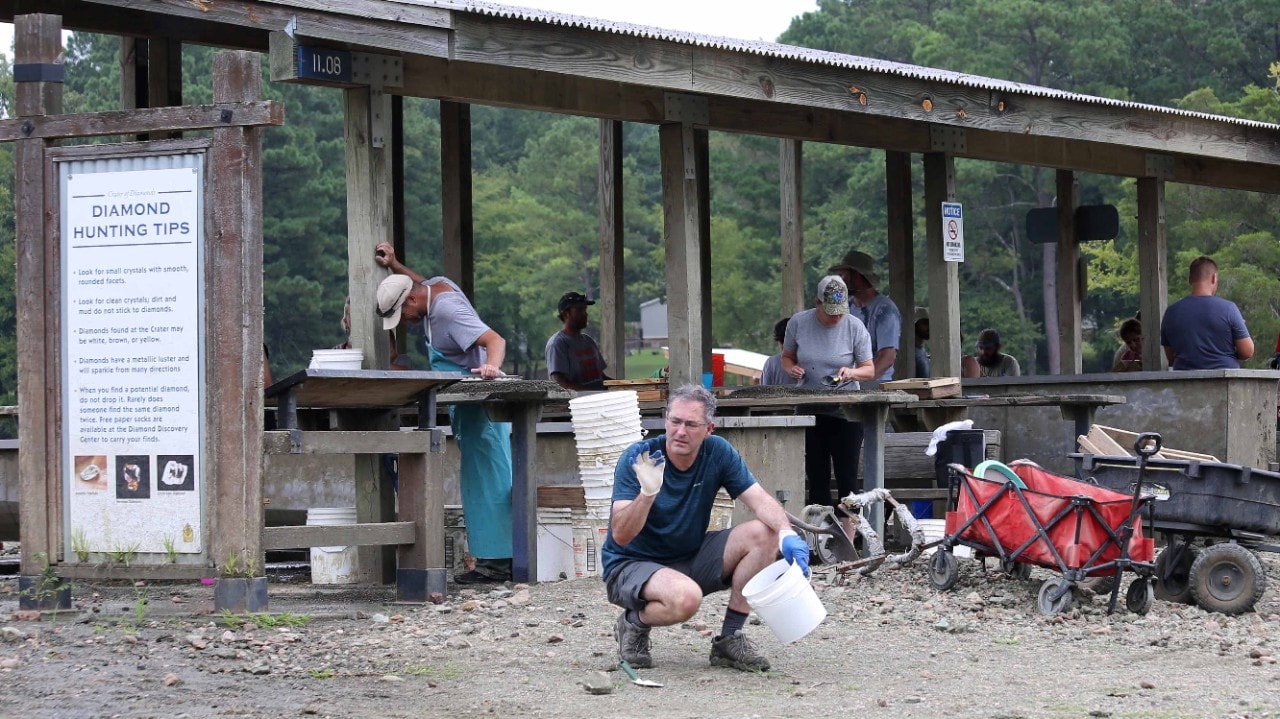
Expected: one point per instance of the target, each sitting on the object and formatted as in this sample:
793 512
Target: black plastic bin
962 446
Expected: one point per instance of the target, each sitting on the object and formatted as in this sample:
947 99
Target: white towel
940 434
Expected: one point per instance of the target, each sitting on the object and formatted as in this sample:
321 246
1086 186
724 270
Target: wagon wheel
944 570
1045 600
1016 570
833 550
1140 596
1173 573
1227 578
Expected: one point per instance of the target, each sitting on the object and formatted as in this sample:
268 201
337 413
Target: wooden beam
38 40
944 277
902 257
1153 270
613 326
421 30
345 442
702 172
130 122
339 535
455 195
421 503
726 73
233 320
791 192
1070 338
552 92
681 227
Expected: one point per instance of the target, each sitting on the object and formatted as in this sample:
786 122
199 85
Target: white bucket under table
785 600
555 544
332 565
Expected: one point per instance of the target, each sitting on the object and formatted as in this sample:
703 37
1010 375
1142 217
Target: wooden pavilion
463 52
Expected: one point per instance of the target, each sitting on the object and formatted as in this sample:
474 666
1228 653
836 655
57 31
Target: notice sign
131 360
952 232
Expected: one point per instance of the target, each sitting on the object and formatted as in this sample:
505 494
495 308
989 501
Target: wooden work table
927 415
364 424
869 407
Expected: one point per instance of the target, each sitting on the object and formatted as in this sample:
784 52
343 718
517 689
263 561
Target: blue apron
485 446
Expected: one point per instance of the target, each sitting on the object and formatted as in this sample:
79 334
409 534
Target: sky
758 20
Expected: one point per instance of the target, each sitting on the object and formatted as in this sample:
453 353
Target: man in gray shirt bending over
573 358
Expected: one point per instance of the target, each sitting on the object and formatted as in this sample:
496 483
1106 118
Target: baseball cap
572 299
833 295
989 338
391 296
859 262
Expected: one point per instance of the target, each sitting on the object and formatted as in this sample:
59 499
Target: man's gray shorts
706 568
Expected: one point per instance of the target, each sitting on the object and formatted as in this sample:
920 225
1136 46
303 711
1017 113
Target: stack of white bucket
604 425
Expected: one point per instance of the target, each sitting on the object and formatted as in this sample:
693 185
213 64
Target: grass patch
320 673
266 621
644 363
448 671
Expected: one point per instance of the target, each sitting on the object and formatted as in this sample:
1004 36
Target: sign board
952 232
322 63
132 355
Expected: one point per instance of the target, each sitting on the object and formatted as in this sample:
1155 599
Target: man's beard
992 361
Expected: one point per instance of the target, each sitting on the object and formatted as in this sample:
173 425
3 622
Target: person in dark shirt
1201 330
574 360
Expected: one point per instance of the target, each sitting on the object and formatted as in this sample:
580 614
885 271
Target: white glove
649 470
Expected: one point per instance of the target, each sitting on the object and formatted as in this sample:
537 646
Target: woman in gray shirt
828 342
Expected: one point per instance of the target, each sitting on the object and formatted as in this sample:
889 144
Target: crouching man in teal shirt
659 560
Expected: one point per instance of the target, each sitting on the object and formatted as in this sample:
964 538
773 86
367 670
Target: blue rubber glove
794 549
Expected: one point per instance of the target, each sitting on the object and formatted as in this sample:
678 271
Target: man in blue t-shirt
1202 331
659 560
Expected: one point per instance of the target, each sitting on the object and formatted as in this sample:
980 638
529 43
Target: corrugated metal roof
816 57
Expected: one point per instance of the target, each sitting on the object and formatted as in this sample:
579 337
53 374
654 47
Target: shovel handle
628 670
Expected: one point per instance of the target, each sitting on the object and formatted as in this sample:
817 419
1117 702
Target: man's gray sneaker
737 651
633 643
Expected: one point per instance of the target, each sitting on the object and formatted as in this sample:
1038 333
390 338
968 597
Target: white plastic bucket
555 544
337 359
934 530
784 599
332 565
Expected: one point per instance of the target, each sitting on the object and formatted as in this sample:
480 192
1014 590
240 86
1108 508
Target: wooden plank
1085 446
388 389
524 492
233 346
904 456
162 119
1069 290
613 293
944 277
397 11
339 535
38 39
455 195
561 497
795 296
1102 440
1153 269
346 442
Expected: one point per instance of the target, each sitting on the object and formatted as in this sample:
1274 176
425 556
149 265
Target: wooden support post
613 328
38 42
944 277
902 257
455 195
702 170
133 72
1069 289
1153 270
524 491
370 220
397 195
686 295
233 320
791 189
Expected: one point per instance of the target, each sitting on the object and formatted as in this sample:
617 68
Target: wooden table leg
420 569
873 418
524 492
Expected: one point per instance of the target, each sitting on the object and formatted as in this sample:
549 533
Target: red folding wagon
1026 516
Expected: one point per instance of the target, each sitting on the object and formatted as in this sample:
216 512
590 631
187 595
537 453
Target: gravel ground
891 646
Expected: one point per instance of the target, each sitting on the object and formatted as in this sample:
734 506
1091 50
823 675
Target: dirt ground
892 646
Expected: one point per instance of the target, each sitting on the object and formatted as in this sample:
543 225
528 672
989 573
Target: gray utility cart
1234 509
